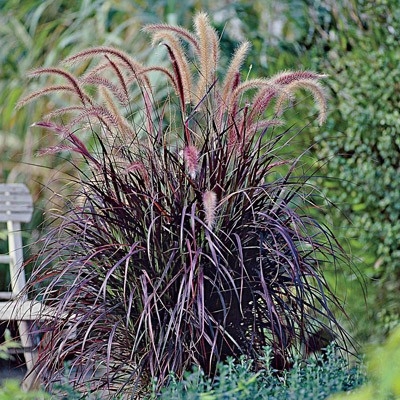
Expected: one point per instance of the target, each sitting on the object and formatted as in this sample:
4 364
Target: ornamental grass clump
189 238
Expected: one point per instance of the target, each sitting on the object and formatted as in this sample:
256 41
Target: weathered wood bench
16 207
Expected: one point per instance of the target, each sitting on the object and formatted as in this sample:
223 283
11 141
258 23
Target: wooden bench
16 207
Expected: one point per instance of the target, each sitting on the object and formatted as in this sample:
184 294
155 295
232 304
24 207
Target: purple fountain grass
190 237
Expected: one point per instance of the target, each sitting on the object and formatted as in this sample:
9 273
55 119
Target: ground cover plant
320 377
316 378
383 371
190 237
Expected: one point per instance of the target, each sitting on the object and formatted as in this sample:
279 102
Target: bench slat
6 295
15 203
25 311
21 197
16 217
4 259
12 188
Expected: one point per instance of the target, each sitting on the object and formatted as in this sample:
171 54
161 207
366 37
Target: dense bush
327 36
356 43
190 237
362 143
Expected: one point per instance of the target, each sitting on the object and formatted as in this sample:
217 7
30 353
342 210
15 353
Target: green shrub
11 390
356 44
314 379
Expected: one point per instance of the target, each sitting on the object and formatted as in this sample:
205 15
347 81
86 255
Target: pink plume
191 157
210 205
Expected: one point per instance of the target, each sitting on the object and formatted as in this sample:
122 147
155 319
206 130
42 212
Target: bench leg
31 378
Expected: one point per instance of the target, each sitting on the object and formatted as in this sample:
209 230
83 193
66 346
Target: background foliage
366 186
355 41
383 369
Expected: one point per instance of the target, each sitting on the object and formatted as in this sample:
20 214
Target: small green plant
11 390
8 343
314 379
383 367
191 236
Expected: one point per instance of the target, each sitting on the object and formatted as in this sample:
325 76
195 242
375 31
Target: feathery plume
123 125
178 77
63 111
317 91
262 99
214 47
121 79
209 205
179 60
65 74
99 113
163 70
100 81
191 158
45 91
78 145
287 77
179 31
256 83
207 57
234 68
129 63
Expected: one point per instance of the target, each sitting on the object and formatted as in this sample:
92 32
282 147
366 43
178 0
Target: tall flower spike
318 94
243 87
208 41
123 124
177 30
181 70
45 91
287 77
234 68
65 74
210 205
128 62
